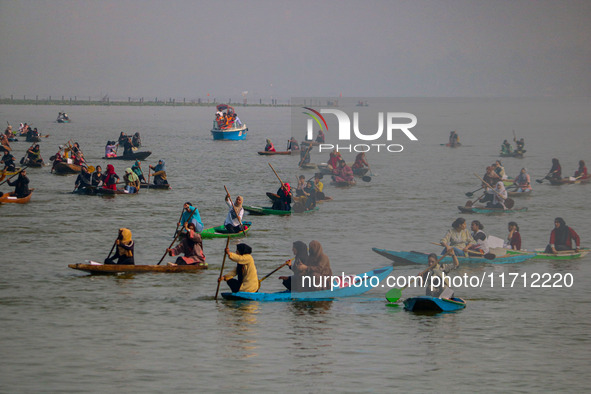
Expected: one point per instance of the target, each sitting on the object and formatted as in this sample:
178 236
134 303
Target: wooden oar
238 216
394 294
303 157
18 172
546 177
509 202
471 194
222 269
112 248
176 235
470 203
275 270
488 256
178 221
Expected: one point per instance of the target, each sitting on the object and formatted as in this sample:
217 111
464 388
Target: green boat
562 255
489 210
221 232
270 211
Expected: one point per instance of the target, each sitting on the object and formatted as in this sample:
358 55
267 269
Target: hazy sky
184 48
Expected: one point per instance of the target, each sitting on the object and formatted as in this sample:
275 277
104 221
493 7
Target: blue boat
359 284
406 258
227 126
433 304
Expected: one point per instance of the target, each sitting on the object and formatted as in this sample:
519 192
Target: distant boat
228 130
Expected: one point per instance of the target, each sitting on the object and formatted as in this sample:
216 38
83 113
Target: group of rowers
474 242
226 120
555 172
133 178
129 143
507 148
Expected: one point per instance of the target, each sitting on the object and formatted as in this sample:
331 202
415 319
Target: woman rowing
137 169
245 270
283 203
562 237
190 215
318 266
33 156
192 248
555 172
124 251
132 182
8 161
334 158
506 148
457 238
21 185
292 144
236 212
499 196
523 181
110 178
160 173
83 180
360 162
439 288
297 265
581 172
97 176
499 169
343 173
269 147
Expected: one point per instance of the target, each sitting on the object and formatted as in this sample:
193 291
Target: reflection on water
239 321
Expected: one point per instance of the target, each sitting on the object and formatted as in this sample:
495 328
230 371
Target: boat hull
220 232
433 304
563 255
569 181
233 134
62 168
412 258
489 211
265 211
265 153
156 187
520 194
10 198
98 268
134 156
349 291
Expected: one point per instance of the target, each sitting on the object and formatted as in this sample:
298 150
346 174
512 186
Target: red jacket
572 235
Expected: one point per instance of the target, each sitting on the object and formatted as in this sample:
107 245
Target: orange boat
11 198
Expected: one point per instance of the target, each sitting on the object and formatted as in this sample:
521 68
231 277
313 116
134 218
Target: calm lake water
66 331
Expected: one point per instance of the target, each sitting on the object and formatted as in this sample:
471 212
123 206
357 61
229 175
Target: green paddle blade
393 295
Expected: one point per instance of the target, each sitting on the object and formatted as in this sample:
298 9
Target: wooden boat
11 198
343 183
99 191
11 173
31 164
221 232
63 168
270 211
515 154
569 180
166 186
35 138
457 144
483 209
524 193
433 304
98 268
411 258
133 156
282 152
561 255
352 286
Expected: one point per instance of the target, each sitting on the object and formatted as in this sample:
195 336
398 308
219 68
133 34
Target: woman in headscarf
159 173
21 184
561 237
245 270
499 196
234 219
333 160
582 171
514 238
360 161
343 173
297 265
83 180
190 215
124 251
555 171
136 141
137 169
523 181
110 149
318 267
192 248
110 179
283 203
457 238
269 147
479 236
132 182
33 156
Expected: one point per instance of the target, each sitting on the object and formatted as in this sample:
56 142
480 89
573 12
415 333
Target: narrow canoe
156 187
11 198
99 191
267 153
569 181
517 155
98 268
63 168
270 211
520 194
11 173
220 232
407 258
354 286
562 255
489 210
133 156
433 304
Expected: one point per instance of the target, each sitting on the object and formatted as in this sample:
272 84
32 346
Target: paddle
18 172
238 216
509 203
546 177
112 248
470 203
471 194
177 233
222 269
393 295
488 256
275 270
179 221
303 157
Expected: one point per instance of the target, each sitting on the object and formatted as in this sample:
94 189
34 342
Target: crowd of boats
460 245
